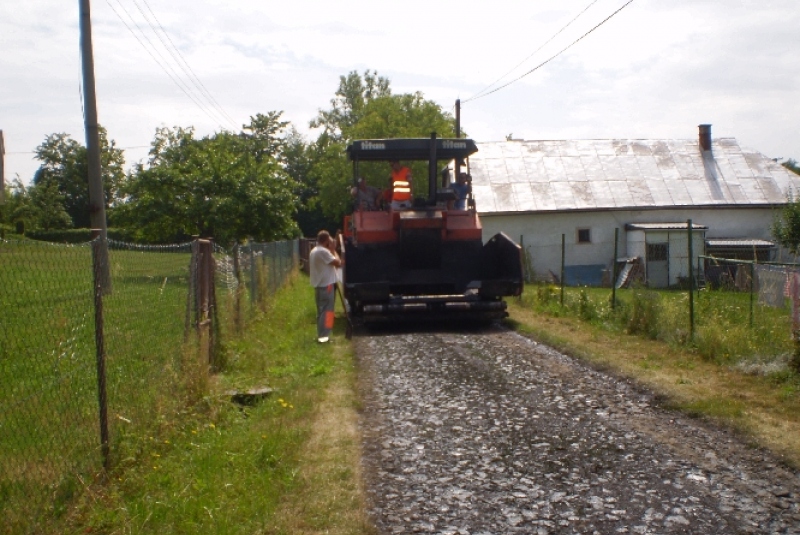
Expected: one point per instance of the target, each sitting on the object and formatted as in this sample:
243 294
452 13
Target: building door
658 265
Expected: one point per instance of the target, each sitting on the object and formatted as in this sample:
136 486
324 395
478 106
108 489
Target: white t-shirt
321 270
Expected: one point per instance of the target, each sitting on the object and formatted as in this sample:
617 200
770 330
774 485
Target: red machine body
428 260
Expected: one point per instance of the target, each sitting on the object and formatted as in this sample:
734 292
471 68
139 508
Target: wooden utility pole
97 202
97 212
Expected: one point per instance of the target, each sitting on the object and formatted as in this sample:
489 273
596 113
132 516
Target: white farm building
644 191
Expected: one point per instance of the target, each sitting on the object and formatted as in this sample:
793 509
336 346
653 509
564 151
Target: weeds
722 333
217 467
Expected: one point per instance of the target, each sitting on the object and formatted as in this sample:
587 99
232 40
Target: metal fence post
614 270
691 284
100 279
237 311
253 275
752 290
563 247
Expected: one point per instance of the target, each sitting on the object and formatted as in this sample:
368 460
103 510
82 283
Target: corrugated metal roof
664 226
739 242
528 176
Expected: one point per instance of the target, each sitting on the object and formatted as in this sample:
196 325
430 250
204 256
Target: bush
644 313
546 294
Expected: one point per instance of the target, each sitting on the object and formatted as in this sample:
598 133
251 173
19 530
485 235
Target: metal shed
664 250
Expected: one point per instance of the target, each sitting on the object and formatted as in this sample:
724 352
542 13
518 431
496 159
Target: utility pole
97 201
97 212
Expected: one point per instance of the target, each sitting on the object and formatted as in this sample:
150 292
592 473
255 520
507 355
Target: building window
584 235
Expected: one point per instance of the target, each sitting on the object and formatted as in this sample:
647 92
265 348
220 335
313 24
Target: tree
34 207
792 165
786 228
18 212
64 166
348 106
227 186
47 207
365 108
298 158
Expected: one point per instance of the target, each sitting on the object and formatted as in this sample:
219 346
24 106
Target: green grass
170 438
222 468
722 331
49 423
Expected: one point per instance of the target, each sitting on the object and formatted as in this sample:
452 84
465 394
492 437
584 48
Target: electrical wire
551 58
172 75
177 77
479 93
121 148
180 60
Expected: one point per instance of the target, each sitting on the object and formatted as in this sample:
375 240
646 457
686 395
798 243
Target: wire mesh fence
663 284
91 360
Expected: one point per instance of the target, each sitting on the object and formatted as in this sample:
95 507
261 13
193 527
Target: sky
654 70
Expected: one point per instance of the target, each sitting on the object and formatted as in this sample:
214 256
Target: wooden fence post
204 283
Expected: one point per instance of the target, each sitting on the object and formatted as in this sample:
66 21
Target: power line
479 93
121 148
172 75
180 60
183 59
551 58
175 76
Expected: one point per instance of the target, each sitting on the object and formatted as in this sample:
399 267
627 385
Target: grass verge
288 464
766 408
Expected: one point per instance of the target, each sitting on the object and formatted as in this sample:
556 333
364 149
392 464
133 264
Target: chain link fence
691 296
95 355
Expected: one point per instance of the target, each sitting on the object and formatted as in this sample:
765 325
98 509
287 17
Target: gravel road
490 433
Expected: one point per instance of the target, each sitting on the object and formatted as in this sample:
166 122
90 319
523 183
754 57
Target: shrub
644 313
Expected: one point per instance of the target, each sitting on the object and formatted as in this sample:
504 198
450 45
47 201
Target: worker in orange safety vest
401 185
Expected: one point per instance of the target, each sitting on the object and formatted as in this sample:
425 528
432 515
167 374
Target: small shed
664 249
742 249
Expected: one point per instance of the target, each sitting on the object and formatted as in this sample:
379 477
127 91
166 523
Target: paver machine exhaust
426 261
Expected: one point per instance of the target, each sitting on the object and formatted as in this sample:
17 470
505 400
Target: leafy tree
365 108
348 106
298 158
47 206
786 228
34 207
792 165
18 212
64 166
227 186
332 176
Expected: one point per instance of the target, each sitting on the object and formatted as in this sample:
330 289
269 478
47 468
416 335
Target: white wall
540 233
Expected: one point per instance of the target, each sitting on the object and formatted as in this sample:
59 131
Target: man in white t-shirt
322 263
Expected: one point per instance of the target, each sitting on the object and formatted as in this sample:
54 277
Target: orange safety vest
401 185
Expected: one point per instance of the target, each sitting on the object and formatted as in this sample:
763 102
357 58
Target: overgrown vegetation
220 467
722 331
